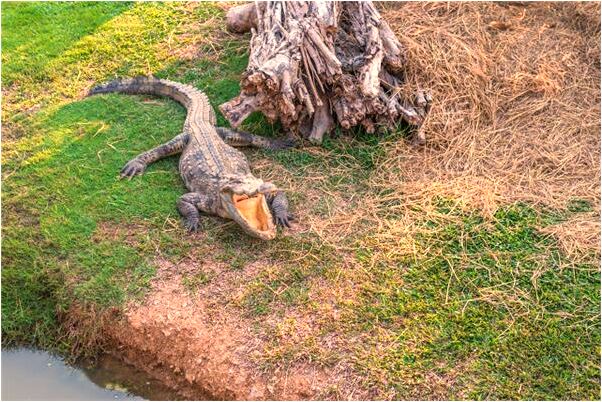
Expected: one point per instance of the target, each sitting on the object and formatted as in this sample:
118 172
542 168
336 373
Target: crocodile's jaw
251 213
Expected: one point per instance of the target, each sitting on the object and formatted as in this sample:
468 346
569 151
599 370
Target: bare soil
201 346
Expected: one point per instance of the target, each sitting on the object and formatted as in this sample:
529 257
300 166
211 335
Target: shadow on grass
33 34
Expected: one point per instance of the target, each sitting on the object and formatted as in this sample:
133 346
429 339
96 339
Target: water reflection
35 375
111 373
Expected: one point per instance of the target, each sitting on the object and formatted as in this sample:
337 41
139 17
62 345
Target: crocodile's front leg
139 163
189 206
279 207
244 139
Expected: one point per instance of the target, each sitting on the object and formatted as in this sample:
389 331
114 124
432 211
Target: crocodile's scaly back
191 98
210 156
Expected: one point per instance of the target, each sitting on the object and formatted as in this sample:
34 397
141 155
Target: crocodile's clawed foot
192 225
284 220
281 144
132 168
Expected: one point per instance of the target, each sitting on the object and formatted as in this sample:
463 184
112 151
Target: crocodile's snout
251 212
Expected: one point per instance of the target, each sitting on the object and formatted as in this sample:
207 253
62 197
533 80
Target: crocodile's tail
188 96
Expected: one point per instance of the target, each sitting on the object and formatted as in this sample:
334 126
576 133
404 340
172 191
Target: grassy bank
437 299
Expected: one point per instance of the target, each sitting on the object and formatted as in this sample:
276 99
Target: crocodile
217 176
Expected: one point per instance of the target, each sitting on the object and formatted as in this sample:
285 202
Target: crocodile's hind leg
244 139
189 206
279 207
140 162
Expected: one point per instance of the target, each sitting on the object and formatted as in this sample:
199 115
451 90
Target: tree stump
315 64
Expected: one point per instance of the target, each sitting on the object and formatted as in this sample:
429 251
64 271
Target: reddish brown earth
202 347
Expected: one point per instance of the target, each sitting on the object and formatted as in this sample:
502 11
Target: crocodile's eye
253 210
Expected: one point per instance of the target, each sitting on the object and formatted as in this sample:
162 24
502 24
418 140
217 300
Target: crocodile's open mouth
253 210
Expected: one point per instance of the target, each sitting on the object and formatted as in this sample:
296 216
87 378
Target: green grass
489 306
197 280
499 295
31 37
492 307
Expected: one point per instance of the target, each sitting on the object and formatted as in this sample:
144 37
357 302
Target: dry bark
315 64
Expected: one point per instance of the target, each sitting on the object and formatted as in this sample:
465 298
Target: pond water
35 375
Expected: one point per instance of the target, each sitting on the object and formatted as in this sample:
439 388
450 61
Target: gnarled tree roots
312 64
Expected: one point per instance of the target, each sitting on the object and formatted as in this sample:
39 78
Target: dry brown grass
193 39
577 236
516 113
516 117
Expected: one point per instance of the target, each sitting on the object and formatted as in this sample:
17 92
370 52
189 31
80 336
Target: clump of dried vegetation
517 110
515 117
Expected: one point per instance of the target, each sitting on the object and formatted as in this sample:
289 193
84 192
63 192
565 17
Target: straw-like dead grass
577 236
516 113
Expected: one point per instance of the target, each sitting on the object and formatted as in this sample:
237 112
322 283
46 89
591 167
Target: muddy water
34 375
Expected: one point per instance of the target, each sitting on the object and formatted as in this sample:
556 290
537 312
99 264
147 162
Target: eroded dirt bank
205 349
